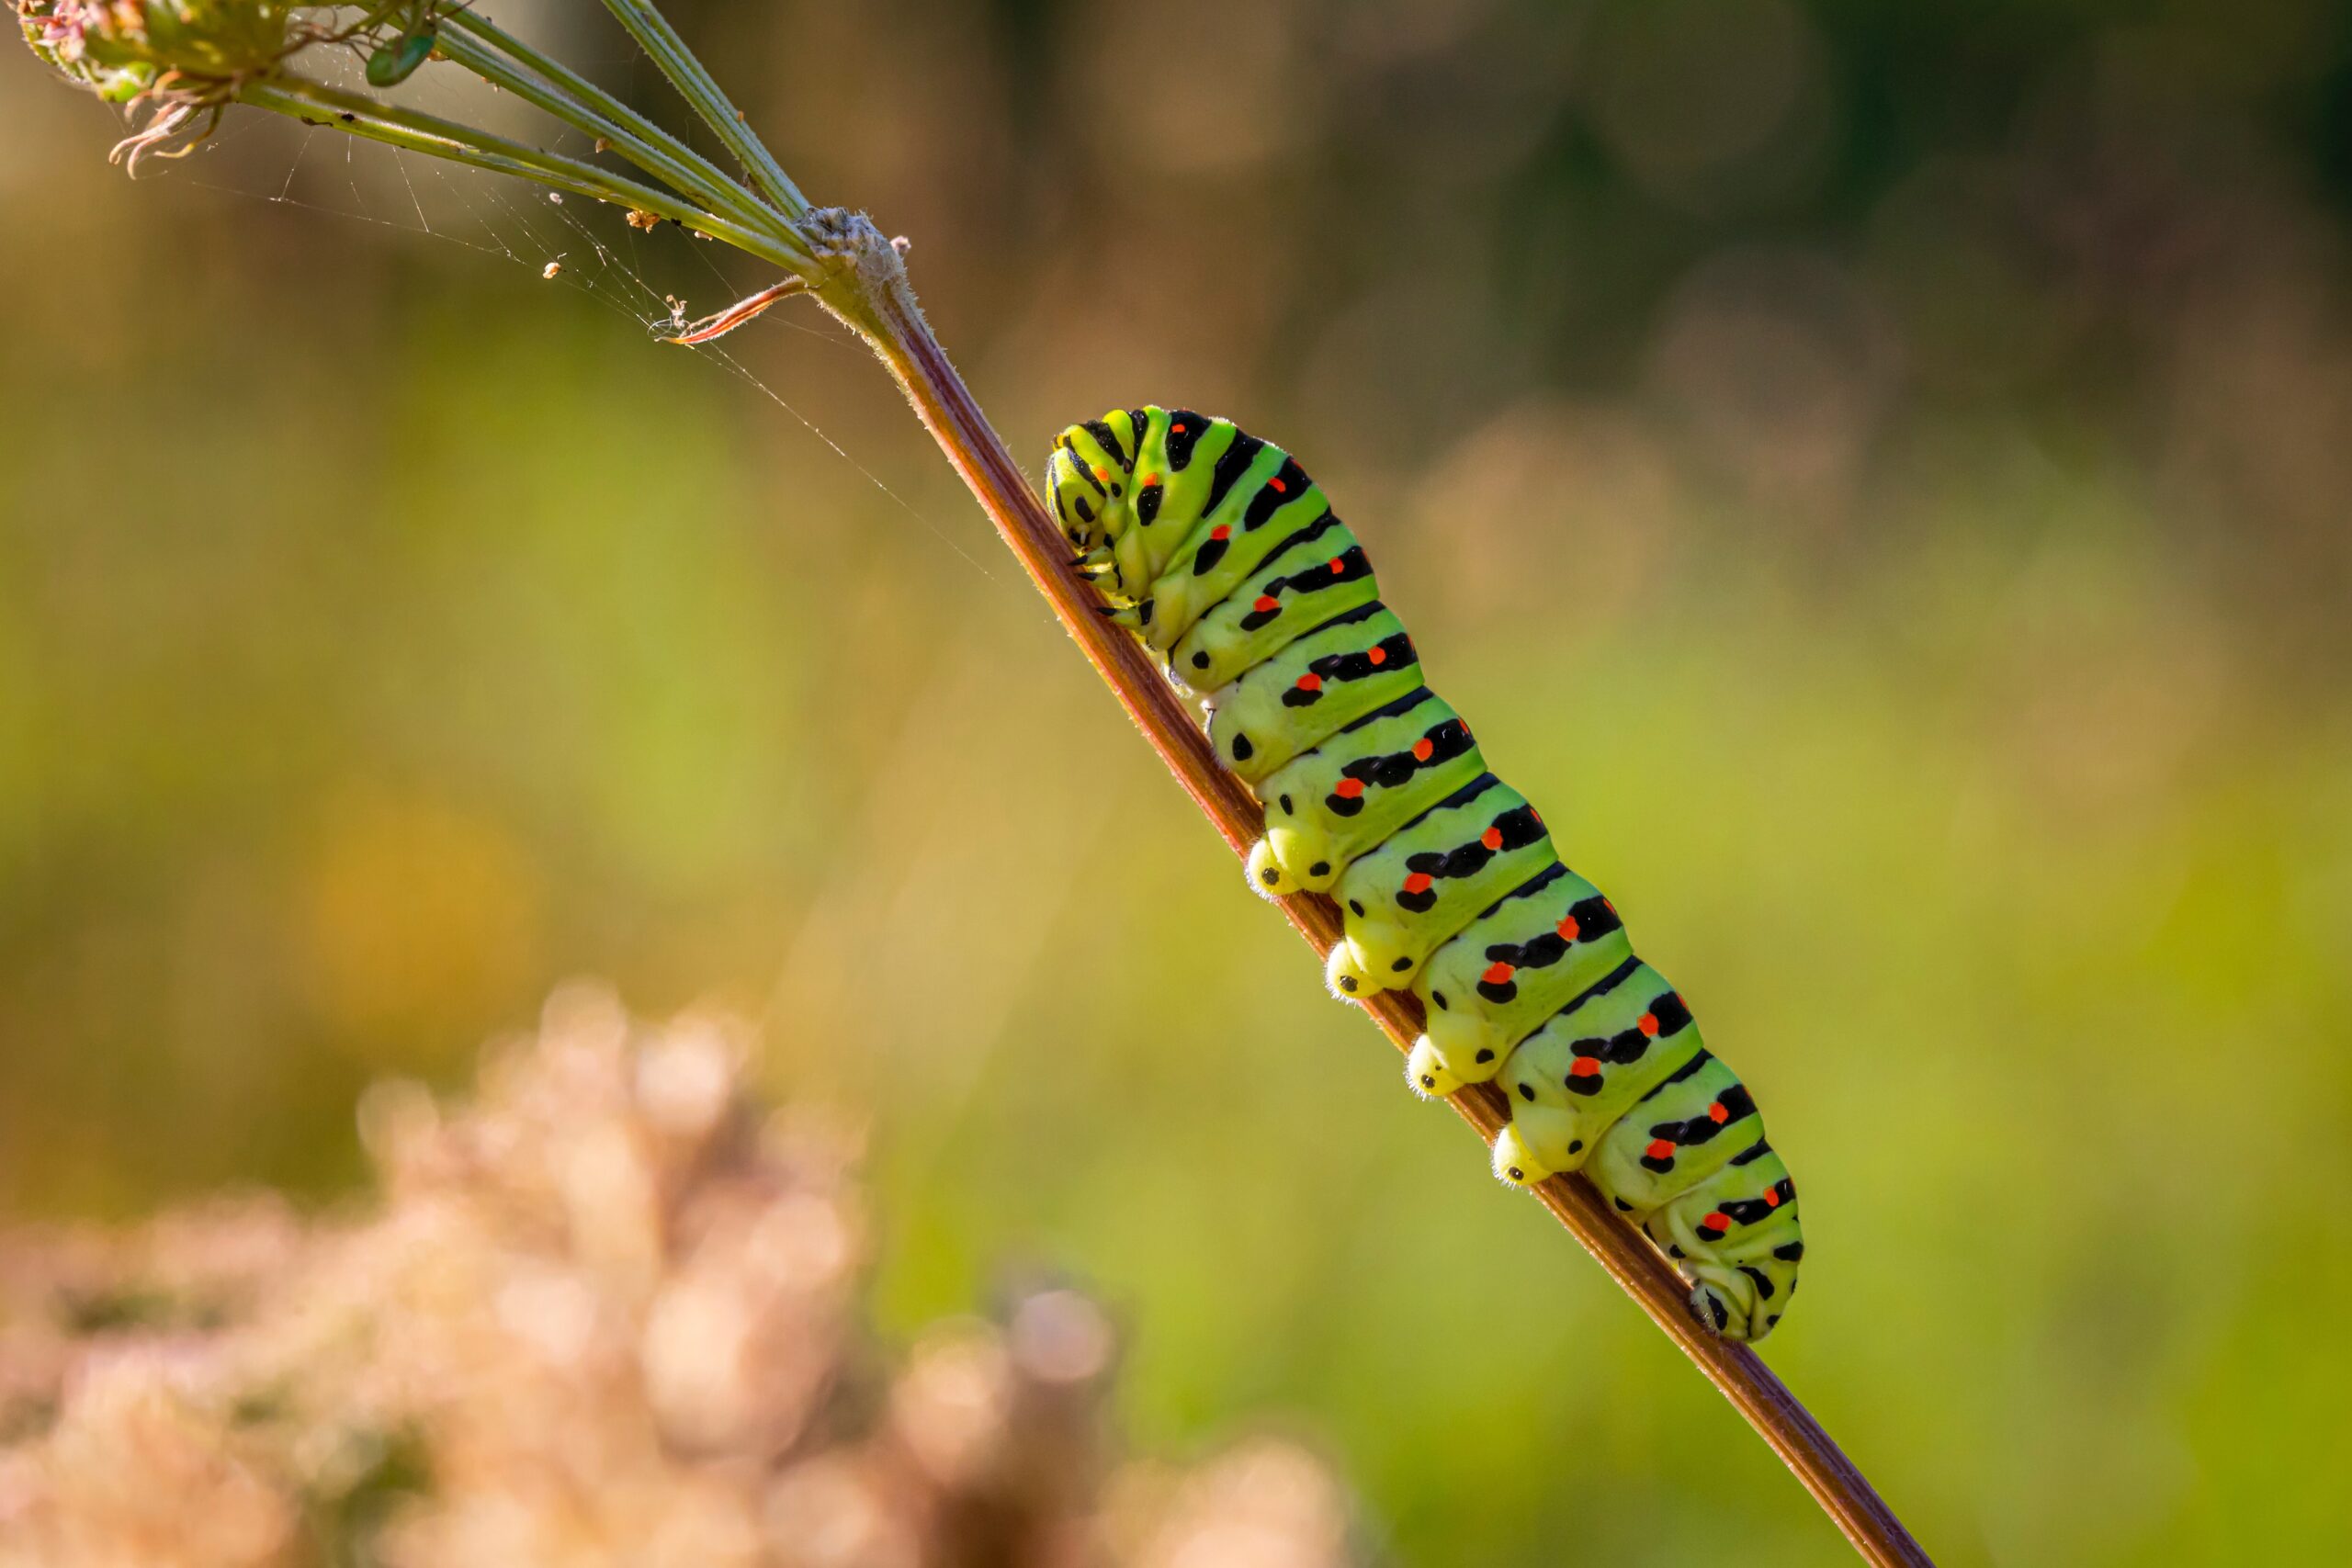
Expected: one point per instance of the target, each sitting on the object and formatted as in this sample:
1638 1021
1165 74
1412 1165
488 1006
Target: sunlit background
1880 476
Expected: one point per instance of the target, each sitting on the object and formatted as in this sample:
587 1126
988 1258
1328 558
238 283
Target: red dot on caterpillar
1660 1149
1718 1113
1584 1067
1492 837
1378 655
1310 682
1649 1025
1222 531
1338 566
1567 928
1771 1197
1349 789
1280 488
1422 749
1418 883
1104 475
1717 1222
1175 430
1267 604
1496 973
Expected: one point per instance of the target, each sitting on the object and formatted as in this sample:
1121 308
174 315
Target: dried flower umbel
122 49
178 64
182 60
604 1313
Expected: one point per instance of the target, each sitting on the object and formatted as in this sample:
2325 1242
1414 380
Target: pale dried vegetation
605 1312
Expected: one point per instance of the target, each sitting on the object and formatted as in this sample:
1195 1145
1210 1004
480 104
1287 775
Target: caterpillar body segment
1575 1080
1308 576
1346 796
1431 879
1192 472
1219 552
1532 952
1681 1133
1351 665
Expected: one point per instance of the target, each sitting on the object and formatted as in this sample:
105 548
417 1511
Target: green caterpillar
1224 557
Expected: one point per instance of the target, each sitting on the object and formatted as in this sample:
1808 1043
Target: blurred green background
1881 477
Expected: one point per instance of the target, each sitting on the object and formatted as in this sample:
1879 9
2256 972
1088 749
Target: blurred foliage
1876 475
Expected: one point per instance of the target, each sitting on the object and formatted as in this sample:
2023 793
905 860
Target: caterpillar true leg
1222 556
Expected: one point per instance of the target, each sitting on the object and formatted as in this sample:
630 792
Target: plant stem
874 296
307 100
654 35
580 104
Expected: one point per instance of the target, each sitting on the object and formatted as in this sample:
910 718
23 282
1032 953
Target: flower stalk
661 44
146 54
508 63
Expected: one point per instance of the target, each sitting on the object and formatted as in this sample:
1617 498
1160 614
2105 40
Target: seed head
124 50
179 62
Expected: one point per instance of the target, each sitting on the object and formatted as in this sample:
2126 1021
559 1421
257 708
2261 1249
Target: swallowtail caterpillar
1219 553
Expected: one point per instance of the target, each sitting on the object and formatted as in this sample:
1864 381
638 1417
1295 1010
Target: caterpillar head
1090 485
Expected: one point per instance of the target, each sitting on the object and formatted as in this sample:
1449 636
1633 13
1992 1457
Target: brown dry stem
868 290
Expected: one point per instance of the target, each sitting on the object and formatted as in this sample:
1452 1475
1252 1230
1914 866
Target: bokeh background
1881 477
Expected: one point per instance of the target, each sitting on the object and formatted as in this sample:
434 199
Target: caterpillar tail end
1729 1308
1425 1072
1515 1161
1740 1301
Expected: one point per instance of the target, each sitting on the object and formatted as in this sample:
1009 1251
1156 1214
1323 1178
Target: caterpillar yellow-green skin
1219 553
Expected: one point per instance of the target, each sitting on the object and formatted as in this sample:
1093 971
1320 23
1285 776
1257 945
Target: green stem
317 103
654 35
580 104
